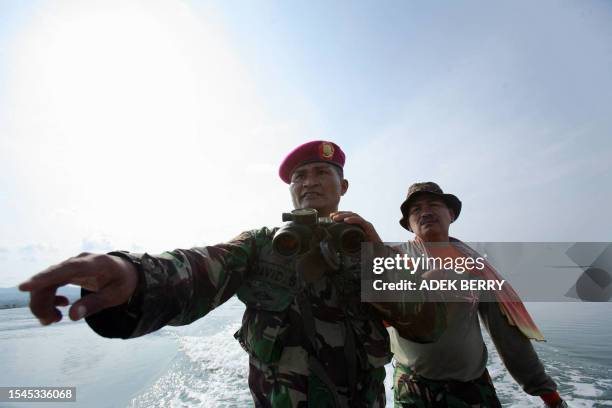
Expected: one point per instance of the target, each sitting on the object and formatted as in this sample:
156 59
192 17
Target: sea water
203 365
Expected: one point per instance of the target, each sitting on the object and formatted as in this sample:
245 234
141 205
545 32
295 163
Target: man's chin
316 204
428 229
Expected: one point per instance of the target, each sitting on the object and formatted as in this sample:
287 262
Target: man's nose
311 180
426 213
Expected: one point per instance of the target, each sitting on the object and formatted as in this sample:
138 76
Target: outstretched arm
128 295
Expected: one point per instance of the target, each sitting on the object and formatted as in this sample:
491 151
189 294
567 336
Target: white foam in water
573 383
584 389
226 365
512 395
211 371
210 368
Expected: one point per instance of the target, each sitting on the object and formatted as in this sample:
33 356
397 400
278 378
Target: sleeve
420 322
516 351
178 287
419 316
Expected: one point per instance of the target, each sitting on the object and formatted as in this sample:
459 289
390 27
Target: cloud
97 244
137 248
36 251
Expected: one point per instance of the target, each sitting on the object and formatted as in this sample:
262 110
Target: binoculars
305 230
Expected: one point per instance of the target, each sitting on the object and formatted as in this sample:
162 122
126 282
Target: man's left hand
352 218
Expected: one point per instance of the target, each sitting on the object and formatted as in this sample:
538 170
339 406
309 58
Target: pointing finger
61 301
42 304
56 275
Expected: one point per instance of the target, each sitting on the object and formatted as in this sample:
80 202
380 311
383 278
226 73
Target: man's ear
344 184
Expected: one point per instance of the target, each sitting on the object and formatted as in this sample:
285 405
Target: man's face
318 186
430 217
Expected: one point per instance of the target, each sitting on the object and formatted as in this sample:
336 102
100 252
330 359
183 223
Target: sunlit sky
153 125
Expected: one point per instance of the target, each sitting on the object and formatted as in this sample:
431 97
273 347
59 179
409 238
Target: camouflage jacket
310 344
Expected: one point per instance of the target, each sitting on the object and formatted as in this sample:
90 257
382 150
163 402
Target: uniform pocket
265 296
261 334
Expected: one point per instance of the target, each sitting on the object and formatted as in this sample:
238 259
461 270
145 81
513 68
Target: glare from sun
133 95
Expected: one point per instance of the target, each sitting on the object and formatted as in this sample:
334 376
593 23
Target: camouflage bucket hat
429 187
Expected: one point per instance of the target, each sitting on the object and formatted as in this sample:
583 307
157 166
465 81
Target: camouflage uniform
414 391
310 344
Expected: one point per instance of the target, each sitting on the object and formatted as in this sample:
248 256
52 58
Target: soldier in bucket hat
451 372
311 343
433 190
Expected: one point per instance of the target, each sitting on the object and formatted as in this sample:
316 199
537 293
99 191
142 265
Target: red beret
315 151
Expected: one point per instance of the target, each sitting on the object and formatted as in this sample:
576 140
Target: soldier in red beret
311 343
314 171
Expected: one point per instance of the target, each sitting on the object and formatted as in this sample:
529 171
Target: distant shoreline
13 298
2 307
